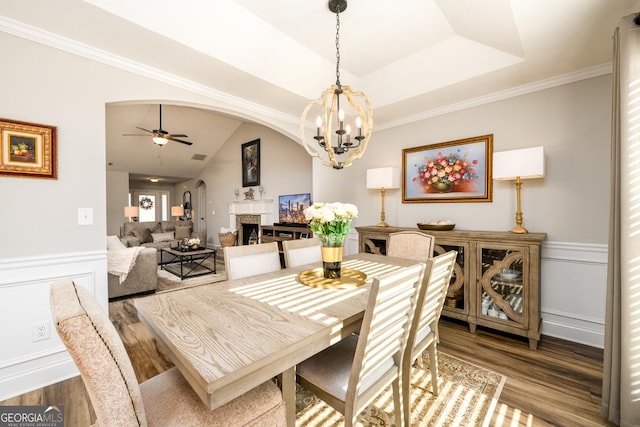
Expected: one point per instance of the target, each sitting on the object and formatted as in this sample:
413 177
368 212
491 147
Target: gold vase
332 245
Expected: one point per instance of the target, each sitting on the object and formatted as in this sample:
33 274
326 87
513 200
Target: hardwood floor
557 385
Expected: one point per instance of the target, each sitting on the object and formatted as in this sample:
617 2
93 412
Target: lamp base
382 224
518 229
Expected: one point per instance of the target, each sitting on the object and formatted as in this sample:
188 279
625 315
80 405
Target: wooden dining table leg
289 394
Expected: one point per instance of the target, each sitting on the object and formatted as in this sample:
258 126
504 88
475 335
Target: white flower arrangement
193 241
331 218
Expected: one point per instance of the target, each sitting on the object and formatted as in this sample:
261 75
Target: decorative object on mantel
454 171
248 195
331 104
383 179
442 225
177 211
28 150
331 222
131 212
236 192
525 163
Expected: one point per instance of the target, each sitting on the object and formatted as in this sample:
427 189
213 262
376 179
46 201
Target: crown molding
234 103
254 111
551 82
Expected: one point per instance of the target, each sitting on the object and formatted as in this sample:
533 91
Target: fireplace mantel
264 208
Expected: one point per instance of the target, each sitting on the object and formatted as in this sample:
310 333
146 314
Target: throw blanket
121 261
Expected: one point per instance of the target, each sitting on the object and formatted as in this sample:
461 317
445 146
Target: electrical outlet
40 331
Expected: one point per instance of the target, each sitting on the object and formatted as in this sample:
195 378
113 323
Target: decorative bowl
437 227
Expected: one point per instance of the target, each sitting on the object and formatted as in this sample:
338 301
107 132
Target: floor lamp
131 212
526 163
383 179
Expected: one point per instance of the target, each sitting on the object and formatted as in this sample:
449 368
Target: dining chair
411 245
301 251
424 327
350 374
164 400
250 260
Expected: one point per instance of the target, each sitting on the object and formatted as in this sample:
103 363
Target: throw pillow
114 243
168 226
183 232
144 235
162 237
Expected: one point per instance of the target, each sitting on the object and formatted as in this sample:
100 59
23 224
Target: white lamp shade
177 211
388 177
526 163
131 211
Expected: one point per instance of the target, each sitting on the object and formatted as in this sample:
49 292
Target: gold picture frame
28 150
452 171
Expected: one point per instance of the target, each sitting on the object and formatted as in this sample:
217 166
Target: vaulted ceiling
413 59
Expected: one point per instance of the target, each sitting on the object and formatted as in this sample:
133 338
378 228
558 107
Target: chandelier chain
338 47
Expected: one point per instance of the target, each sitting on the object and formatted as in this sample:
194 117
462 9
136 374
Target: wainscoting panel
26 364
573 289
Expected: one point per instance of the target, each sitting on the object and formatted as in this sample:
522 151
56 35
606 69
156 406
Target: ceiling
414 61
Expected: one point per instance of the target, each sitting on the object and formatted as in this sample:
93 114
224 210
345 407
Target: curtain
621 369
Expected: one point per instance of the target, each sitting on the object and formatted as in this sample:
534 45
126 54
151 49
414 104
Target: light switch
85 216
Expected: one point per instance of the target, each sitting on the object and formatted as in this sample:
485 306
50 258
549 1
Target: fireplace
246 225
248 216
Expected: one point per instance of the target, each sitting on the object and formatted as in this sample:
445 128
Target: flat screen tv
291 208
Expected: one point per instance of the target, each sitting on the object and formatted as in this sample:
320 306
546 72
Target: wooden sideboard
278 233
496 281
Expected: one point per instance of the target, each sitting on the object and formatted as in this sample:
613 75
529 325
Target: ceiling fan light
160 140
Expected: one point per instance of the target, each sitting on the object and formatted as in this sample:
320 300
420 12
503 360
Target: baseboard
36 373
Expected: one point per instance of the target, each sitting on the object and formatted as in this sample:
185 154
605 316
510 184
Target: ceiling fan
161 136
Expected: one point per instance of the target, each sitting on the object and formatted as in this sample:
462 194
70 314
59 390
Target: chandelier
334 142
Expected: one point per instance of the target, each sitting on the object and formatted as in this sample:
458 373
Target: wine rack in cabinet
496 279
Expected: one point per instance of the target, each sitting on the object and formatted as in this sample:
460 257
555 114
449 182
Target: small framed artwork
453 171
304 235
251 163
28 150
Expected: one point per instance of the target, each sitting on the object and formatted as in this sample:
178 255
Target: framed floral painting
453 171
28 150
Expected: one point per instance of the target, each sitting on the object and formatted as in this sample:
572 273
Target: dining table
228 337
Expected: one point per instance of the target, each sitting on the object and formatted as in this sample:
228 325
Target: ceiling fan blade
179 135
146 130
180 141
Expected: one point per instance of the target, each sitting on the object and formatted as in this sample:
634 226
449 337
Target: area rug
169 282
468 396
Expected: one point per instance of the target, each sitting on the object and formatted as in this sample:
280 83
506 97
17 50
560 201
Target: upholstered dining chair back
164 400
411 245
250 260
301 251
350 374
424 328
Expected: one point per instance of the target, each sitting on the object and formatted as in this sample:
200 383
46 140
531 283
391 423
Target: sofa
159 234
143 277
141 267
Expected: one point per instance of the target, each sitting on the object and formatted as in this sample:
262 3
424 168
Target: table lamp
131 212
383 179
177 211
525 163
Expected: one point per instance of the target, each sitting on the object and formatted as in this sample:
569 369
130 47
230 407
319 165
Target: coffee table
185 264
